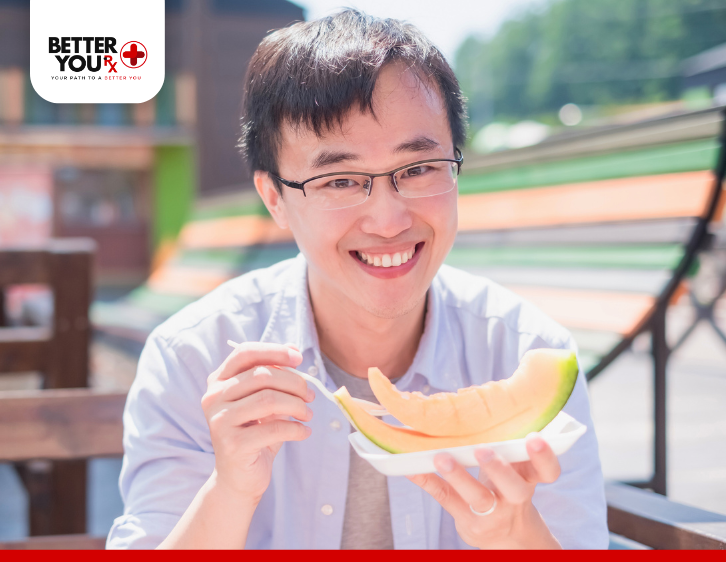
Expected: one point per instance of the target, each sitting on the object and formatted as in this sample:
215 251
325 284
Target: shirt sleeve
168 452
574 506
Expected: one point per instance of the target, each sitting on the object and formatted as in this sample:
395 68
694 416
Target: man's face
408 115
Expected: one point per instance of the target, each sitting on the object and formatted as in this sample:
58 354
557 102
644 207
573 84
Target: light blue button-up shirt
475 331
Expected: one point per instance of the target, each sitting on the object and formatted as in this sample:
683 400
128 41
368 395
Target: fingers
508 482
262 404
469 488
543 460
442 492
259 378
252 354
274 432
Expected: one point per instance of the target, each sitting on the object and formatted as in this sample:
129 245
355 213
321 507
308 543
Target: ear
271 197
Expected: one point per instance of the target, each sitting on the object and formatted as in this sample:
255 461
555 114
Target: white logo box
136 78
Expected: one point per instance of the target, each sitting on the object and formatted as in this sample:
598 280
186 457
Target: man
352 126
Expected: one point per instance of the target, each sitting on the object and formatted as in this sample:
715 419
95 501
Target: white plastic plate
561 433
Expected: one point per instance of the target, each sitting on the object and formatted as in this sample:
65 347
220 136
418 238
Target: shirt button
327 509
335 425
426 389
313 371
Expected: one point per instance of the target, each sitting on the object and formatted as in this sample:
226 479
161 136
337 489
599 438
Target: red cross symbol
130 57
134 54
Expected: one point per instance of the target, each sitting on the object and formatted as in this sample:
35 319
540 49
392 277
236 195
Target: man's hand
514 522
248 404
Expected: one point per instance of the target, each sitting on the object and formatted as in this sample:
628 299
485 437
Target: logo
85 51
136 54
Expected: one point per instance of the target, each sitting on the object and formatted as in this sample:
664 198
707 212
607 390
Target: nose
386 213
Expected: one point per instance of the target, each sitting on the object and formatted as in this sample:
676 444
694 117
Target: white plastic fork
370 407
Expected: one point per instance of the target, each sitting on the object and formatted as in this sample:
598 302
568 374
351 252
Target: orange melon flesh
403 440
527 401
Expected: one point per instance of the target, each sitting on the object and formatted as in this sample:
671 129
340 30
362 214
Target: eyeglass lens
347 190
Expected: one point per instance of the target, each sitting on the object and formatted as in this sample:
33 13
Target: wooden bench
63 425
652 521
57 491
83 423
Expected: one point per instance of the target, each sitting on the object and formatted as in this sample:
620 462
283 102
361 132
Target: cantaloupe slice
515 409
403 440
529 399
525 402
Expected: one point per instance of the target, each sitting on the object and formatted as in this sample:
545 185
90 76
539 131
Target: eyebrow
419 144
329 157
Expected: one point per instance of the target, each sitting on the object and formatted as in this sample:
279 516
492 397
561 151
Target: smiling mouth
388 260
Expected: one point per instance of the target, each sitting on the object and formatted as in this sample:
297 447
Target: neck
355 339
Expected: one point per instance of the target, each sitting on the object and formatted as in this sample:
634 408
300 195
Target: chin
392 310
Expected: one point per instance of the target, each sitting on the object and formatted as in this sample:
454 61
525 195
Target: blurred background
161 189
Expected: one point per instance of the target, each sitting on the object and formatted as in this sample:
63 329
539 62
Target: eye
416 171
342 183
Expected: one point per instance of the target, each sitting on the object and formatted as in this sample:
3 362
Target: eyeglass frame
301 185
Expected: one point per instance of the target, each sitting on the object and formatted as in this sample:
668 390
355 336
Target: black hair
312 73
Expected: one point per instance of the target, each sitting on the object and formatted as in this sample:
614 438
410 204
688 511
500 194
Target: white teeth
387 260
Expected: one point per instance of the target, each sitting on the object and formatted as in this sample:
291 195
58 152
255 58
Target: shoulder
478 300
239 307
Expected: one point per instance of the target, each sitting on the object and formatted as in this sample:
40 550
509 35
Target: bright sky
446 23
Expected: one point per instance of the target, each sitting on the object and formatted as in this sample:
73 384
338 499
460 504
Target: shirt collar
437 357
305 320
291 319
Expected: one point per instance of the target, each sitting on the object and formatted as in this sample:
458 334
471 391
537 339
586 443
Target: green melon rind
372 439
568 377
568 373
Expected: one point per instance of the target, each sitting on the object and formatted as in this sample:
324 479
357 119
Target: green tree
589 52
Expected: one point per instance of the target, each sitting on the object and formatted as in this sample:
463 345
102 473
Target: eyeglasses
339 190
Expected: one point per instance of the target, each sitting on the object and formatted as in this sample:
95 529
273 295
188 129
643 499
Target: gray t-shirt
367 519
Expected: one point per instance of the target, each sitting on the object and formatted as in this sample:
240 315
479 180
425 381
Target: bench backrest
61 351
60 424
